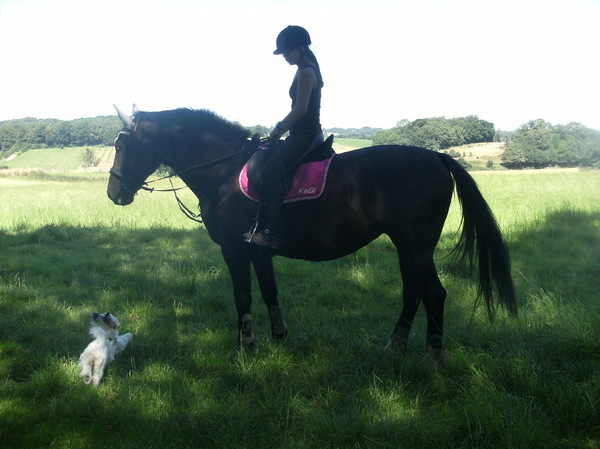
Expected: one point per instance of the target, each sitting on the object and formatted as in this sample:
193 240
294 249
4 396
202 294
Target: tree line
536 144
29 133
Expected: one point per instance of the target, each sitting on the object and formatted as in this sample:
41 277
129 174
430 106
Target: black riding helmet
291 38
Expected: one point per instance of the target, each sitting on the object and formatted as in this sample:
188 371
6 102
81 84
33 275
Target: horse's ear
127 121
135 109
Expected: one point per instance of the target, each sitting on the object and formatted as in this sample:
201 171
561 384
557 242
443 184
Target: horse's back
371 191
407 166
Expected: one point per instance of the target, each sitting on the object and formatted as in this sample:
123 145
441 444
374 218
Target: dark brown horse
404 192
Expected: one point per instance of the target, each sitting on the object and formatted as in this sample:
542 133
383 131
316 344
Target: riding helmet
291 38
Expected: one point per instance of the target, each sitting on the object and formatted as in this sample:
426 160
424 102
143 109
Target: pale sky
382 61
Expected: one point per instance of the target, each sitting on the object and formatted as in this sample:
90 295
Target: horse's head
136 157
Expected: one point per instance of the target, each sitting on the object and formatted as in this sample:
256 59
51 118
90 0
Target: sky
383 61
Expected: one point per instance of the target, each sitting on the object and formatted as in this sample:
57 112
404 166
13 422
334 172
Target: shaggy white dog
101 352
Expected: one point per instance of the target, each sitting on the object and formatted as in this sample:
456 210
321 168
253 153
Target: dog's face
105 320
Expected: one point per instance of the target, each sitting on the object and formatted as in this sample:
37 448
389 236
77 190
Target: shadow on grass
182 383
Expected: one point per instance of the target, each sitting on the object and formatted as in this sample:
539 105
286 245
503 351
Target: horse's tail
481 239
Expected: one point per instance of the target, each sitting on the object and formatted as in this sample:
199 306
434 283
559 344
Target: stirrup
263 238
248 236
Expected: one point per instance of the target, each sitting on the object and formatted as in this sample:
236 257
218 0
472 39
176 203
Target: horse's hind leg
434 297
410 293
421 283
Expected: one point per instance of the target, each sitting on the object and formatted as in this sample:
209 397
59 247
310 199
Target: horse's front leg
263 266
238 262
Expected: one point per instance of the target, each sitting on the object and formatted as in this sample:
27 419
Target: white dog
100 352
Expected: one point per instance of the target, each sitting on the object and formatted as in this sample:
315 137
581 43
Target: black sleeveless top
311 121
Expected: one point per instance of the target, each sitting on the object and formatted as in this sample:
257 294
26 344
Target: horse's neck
197 171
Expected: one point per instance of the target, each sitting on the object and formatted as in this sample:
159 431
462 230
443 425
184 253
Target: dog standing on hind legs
101 352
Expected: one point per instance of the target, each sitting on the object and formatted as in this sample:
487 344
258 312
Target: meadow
526 382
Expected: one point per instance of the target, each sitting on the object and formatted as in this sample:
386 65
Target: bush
89 159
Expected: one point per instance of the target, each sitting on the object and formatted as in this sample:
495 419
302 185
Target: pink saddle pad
308 183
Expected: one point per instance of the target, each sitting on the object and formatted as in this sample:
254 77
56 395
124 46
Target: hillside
57 160
481 152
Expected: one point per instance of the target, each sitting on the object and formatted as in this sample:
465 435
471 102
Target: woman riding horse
303 123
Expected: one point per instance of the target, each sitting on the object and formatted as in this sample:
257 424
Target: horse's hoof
440 359
398 343
436 343
391 347
279 329
247 342
395 348
279 336
246 332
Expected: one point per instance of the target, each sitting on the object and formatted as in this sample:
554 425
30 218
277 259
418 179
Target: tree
89 159
539 144
476 130
437 133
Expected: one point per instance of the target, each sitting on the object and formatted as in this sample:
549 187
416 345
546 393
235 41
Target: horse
403 192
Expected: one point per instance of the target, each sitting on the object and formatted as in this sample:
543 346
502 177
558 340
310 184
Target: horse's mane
200 120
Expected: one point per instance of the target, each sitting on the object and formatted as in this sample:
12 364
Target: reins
208 164
197 217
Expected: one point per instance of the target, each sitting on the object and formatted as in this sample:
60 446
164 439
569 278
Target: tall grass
66 251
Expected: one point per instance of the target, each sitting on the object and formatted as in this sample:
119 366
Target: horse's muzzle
118 192
121 200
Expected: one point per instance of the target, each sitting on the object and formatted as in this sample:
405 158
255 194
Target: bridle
247 149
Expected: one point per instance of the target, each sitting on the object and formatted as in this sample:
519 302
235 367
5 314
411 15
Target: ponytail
312 58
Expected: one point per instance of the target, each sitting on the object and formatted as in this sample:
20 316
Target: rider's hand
276 133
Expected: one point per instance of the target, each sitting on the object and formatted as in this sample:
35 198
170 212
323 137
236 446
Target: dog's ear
95 316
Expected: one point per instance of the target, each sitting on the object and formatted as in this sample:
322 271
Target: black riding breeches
285 157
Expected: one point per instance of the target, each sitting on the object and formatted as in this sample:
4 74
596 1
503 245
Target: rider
303 123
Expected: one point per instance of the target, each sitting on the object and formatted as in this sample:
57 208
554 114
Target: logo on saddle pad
308 183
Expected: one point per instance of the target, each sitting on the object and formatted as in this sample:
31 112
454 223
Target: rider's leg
273 187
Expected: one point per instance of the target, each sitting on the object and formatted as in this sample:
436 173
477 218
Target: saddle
305 181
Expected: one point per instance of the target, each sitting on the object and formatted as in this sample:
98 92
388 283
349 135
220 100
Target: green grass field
66 251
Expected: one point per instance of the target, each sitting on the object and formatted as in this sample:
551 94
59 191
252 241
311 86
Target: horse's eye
119 144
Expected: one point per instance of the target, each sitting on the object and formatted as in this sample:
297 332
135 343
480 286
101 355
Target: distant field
342 145
69 159
474 152
59 159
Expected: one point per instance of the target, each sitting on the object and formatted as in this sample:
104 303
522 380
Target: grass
66 251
